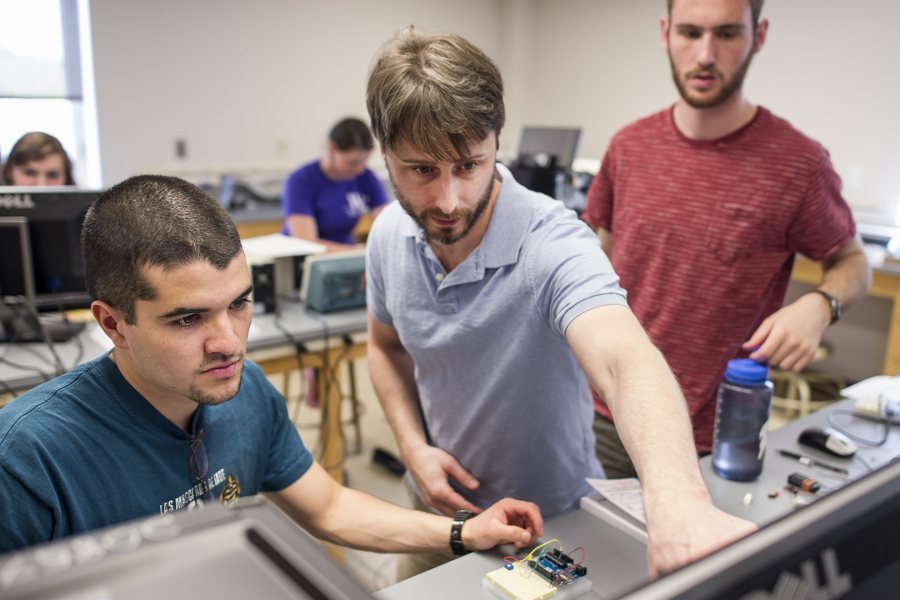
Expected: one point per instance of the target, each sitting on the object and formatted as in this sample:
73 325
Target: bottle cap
746 371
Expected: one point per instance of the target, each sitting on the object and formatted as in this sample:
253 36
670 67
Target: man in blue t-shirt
175 416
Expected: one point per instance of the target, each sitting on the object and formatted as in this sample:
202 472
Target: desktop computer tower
263 277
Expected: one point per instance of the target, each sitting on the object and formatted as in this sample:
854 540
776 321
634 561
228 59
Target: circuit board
549 575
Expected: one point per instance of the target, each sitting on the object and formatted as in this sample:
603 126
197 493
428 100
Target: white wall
245 84
830 67
257 84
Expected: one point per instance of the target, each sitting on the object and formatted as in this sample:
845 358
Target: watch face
835 309
456 544
833 304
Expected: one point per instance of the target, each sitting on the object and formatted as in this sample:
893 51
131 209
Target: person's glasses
198 465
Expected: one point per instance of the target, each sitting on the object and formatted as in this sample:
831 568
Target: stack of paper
277 245
618 502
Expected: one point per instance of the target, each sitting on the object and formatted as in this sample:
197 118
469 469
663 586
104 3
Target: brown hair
151 220
756 7
351 134
36 145
436 92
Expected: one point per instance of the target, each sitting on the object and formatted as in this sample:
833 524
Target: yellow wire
530 554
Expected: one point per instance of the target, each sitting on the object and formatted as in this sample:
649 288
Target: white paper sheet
624 493
277 245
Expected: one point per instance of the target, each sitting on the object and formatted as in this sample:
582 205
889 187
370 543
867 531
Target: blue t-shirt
335 205
499 387
85 451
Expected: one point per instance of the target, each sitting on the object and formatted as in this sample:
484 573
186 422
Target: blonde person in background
38 158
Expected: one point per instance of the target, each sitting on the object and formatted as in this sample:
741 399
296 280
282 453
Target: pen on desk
806 460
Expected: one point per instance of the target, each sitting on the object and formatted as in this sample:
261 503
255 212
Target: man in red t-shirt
702 207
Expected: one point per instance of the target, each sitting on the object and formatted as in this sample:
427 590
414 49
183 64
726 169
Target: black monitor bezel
835 542
64 228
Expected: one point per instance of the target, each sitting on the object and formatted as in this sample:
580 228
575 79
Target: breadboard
520 583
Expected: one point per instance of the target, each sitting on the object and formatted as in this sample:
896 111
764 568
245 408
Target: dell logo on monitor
16 201
807 585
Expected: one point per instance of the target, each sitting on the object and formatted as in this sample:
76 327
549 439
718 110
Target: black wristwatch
833 303
456 543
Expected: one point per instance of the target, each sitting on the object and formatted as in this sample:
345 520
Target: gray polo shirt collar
502 240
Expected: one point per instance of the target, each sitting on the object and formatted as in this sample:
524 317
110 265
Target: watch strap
833 303
456 543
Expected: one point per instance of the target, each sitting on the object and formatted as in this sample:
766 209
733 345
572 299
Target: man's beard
446 236
727 90
202 397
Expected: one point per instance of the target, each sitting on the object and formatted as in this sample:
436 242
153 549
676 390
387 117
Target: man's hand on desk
687 530
431 468
507 521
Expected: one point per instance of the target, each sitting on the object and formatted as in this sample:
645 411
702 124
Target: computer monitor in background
549 146
545 157
16 273
54 217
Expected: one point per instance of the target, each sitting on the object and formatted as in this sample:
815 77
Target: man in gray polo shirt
490 303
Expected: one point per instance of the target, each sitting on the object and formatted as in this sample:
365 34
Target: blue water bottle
742 419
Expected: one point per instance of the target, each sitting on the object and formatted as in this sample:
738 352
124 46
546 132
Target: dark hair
151 220
431 89
351 134
756 7
36 145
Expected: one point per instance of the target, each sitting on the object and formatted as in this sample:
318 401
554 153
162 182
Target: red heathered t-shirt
704 237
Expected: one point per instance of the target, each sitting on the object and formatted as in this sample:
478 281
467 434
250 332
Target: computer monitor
251 550
54 217
16 274
842 546
549 147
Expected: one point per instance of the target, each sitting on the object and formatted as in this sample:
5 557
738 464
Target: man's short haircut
435 92
756 7
151 221
351 134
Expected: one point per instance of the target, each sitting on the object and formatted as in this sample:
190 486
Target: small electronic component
557 567
540 575
799 502
807 484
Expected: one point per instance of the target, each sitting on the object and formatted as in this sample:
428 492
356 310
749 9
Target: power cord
851 435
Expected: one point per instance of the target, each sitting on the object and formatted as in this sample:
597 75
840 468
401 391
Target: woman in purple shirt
324 199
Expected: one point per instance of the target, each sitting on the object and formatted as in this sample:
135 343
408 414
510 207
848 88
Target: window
40 75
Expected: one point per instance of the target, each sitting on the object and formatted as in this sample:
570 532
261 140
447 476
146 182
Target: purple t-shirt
335 205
